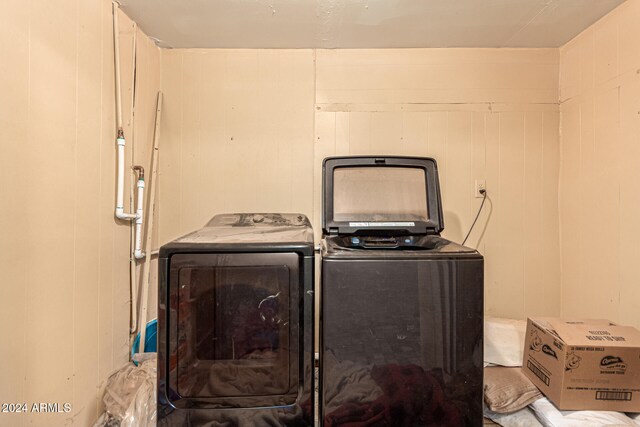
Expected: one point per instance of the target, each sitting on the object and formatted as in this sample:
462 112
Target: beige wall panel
437 76
589 179
169 157
217 142
491 242
533 239
586 62
414 134
190 149
511 219
584 214
593 199
569 199
359 134
147 86
599 140
52 120
437 127
324 146
605 198
87 219
457 191
626 17
385 132
109 262
570 78
550 274
629 206
14 84
479 170
67 302
237 135
605 52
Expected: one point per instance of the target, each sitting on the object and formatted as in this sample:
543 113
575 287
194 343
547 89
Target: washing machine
235 323
401 307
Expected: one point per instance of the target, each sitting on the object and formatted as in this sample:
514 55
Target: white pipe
120 141
116 51
120 213
133 273
134 52
137 253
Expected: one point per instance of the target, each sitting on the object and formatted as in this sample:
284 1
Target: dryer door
234 330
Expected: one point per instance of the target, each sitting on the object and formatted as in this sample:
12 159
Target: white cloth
550 416
522 418
635 417
504 341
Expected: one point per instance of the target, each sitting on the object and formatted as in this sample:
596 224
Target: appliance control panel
381 242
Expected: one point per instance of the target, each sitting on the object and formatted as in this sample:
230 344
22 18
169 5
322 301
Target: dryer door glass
237 329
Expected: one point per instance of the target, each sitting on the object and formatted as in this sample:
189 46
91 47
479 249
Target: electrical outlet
480 185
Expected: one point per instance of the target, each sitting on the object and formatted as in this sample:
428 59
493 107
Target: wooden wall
482 114
64 298
600 169
246 130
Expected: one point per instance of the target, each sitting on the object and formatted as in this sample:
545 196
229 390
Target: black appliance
401 307
235 323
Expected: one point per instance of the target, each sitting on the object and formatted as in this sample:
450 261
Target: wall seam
75 218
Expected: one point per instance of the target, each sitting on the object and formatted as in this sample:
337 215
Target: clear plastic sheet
130 395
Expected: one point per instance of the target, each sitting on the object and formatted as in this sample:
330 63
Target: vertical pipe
120 141
116 48
137 252
120 214
133 278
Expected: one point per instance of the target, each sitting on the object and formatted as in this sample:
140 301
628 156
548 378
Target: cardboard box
584 364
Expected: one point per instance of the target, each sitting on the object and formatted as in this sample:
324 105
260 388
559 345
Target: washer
401 307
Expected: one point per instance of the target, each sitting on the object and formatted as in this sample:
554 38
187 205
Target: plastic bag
130 396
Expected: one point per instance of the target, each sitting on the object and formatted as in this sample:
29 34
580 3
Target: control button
407 240
355 240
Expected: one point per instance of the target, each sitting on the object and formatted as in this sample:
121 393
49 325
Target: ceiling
364 23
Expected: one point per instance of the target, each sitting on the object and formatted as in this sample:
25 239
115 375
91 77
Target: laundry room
308 213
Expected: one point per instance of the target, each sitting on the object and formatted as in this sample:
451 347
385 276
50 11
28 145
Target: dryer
235 316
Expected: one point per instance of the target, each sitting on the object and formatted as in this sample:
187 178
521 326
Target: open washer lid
381 195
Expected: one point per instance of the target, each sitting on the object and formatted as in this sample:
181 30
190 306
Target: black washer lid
381 195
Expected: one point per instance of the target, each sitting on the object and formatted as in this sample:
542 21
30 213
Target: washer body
401 334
